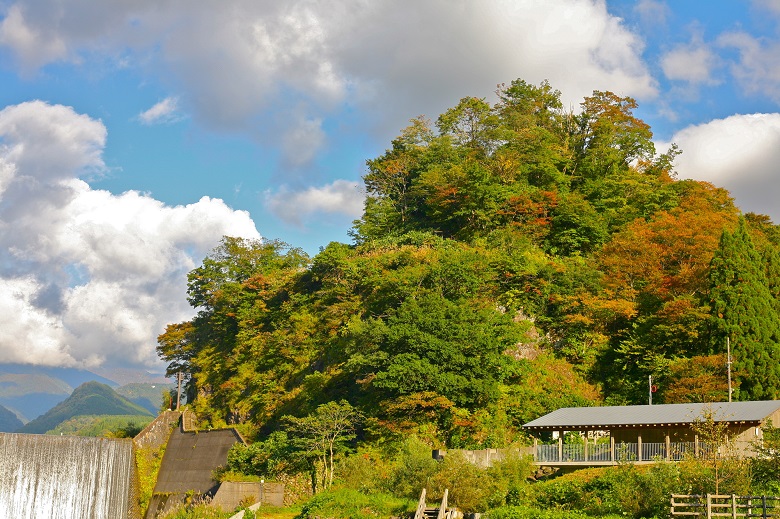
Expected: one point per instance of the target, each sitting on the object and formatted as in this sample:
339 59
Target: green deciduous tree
323 434
719 467
609 138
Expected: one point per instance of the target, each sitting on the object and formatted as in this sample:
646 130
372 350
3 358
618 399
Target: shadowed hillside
90 398
29 391
8 420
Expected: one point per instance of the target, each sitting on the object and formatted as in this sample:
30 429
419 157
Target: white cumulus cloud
87 277
694 63
739 153
242 65
341 196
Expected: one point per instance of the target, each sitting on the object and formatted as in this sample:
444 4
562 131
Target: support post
178 390
733 506
668 448
709 506
560 447
639 447
611 448
585 446
696 445
536 449
728 363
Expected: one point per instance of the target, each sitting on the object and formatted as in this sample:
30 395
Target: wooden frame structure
643 434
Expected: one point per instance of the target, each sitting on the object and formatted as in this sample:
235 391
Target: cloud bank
340 196
89 278
245 65
739 153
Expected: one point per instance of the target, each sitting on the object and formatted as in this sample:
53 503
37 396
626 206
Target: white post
728 363
639 447
650 388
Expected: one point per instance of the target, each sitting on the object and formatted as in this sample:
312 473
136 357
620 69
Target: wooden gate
713 505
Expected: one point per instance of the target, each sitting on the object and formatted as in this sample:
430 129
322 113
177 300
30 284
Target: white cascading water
64 477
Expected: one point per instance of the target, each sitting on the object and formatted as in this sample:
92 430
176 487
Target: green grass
148 462
524 512
351 504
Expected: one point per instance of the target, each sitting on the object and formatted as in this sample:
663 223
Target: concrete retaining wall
487 457
231 494
156 433
187 466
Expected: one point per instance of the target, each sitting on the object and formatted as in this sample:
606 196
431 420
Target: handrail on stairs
420 513
443 507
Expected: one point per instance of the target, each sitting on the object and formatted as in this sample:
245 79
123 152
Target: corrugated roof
643 415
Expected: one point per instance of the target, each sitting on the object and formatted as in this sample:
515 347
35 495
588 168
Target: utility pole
728 363
178 390
650 388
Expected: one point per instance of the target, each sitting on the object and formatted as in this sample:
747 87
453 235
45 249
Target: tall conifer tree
743 309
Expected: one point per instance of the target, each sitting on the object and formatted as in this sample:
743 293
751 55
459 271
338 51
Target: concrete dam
65 477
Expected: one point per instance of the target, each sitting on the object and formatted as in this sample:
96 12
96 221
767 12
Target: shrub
351 504
627 490
412 470
367 471
524 512
202 511
470 488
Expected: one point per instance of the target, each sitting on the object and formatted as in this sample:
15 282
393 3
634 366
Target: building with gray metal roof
645 433
605 418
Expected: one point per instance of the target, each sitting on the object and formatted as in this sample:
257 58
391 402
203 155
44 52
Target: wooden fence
713 505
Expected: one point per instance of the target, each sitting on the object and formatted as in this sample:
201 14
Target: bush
351 504
197 512
524 512
627 490
471 489
267 459
367 471
512 476
412 470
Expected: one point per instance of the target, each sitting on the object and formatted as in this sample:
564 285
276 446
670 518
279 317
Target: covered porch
646 433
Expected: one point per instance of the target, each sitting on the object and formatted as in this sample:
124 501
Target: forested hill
512 258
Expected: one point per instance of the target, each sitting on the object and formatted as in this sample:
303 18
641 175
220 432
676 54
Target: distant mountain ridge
29 391
8 420
149 396
90 398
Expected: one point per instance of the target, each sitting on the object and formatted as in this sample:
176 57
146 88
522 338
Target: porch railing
616 452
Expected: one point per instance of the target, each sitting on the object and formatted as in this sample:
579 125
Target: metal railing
606 453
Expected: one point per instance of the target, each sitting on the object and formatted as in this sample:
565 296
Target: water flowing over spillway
64 477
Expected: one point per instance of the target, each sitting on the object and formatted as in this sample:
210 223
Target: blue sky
135 133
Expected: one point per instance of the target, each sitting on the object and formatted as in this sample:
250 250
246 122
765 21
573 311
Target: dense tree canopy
512 258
